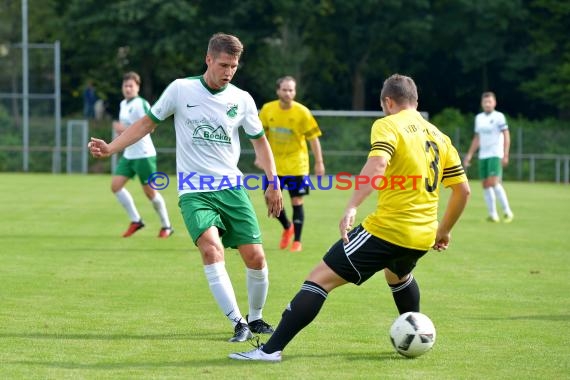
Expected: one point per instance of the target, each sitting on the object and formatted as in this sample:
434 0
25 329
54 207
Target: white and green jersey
207 125
490 127
132 110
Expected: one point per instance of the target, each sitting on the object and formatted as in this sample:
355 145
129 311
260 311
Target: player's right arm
100 149
375 166
163 108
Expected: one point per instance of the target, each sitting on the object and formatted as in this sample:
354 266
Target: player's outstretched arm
460 193
264 156
131 135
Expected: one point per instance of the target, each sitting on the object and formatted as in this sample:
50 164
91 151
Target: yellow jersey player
404 225
288 126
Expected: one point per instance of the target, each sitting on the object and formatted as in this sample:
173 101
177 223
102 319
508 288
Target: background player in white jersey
493 140
138 159
218 213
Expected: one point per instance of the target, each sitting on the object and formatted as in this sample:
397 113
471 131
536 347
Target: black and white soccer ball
412 334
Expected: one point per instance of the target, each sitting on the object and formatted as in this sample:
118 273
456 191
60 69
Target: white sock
490 200
223 292
128 203
502 195
257 286
160 207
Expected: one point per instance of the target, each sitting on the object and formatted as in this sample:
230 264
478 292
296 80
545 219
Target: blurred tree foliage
339 50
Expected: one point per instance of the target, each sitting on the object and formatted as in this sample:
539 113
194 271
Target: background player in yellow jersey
404 225
288 126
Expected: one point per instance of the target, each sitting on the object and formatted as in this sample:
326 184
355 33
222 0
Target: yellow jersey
420 157
288 131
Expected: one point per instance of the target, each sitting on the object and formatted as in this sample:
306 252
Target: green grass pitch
77 301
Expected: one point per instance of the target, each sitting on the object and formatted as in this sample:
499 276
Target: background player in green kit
208 112
137 159
493 140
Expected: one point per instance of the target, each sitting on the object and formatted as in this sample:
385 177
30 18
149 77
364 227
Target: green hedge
345 142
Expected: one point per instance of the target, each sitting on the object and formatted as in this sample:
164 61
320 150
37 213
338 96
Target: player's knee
256 261
116 188
394 279
149 192
297 201
212 254
212 251
253 256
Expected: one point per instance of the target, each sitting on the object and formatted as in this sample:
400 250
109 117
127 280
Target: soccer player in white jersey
493 140
218 213
138 159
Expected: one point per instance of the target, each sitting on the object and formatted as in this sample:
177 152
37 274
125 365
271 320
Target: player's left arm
506 146
454 177
318 155
257 162
273 196
460 193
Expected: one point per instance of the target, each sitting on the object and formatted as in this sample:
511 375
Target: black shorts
366 254
297 185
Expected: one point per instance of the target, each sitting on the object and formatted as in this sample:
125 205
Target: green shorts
143 167
490 167
230 210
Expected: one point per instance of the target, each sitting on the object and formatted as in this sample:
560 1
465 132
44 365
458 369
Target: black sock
302 309
298 219
407 295
283 220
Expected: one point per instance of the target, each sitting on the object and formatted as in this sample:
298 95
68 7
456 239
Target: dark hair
225 43
401 89
132 75
286 78
488 94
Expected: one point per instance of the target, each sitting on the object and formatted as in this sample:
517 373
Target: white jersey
490 127
132 110
207 125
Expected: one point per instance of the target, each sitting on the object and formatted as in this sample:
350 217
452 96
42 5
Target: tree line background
339 50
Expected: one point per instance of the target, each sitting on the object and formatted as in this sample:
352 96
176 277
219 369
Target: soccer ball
412 334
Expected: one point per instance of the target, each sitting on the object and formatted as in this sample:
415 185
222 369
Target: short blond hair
225 43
